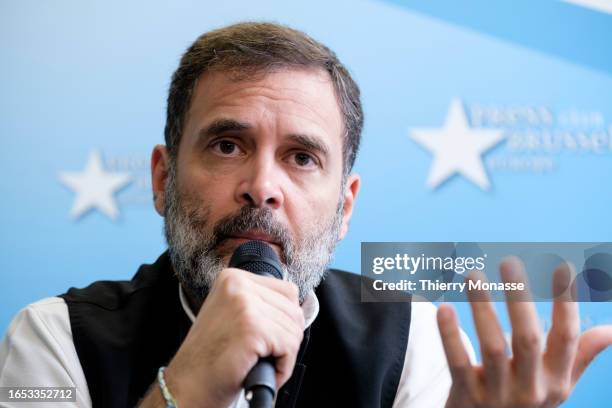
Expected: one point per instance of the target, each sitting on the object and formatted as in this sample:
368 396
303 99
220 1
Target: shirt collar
310 307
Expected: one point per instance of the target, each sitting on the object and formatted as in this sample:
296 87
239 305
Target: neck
195 302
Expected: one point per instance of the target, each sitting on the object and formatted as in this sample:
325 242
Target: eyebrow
220 126
225 125
310 142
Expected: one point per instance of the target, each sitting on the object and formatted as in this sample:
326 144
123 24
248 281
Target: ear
159 173
350 195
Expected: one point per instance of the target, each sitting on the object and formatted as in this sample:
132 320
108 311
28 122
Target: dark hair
247 49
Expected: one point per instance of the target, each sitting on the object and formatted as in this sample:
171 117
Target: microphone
258 257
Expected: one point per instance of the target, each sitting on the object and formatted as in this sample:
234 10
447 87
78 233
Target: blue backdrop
84 87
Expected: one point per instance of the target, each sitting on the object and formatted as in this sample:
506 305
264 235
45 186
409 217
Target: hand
244 317
532 377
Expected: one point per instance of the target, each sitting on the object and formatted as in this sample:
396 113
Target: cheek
314 210
211 190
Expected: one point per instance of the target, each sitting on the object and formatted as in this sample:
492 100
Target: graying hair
252 48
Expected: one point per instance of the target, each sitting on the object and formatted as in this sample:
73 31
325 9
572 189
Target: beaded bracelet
170 401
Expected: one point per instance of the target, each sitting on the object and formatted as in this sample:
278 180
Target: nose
260 186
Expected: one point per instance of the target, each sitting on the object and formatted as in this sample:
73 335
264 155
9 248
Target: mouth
234 240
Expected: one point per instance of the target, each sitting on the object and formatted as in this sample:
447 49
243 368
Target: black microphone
258 257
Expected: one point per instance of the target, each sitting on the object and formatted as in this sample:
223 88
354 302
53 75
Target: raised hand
537 374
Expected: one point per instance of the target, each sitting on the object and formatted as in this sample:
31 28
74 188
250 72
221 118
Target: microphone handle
260 384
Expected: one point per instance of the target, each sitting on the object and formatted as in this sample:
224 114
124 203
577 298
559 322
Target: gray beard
192 242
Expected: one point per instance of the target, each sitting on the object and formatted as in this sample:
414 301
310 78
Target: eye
226 148
304 160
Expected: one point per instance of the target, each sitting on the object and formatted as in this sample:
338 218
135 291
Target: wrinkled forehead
299 97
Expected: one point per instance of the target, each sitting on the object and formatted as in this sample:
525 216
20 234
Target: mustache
247 219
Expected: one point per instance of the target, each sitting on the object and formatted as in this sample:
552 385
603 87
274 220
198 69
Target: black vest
123 331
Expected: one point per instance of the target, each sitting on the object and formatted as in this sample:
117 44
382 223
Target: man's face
258 159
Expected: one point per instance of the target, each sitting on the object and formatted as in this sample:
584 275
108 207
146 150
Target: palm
534 376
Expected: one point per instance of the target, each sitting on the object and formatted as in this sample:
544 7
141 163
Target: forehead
290 100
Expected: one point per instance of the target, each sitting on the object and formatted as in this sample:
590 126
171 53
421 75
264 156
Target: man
262 131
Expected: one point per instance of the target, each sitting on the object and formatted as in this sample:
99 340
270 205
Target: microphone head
257 257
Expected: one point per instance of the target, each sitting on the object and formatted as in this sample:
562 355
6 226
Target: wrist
165 391
189 391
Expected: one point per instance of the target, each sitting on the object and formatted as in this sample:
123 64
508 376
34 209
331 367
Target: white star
457 148
94 188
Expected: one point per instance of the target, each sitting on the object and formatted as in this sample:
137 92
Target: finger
286 288
459 364
272 306
492 343
591 343
562 341
280 303
285 349
238 285
273 336
526 331
284 369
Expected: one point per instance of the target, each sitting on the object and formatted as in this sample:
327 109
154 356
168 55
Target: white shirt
38 351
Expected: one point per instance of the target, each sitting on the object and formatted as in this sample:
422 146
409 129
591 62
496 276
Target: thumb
591 343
